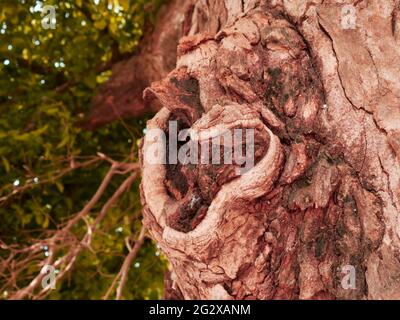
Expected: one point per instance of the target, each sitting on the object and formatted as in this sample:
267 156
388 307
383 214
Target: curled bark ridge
324 192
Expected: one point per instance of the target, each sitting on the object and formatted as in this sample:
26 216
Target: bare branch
123 272
20 259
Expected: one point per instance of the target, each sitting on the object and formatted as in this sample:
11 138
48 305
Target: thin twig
64 238
123 272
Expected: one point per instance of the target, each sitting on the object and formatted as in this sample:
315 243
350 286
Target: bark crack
389 189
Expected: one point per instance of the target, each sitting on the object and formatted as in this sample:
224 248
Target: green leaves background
47 79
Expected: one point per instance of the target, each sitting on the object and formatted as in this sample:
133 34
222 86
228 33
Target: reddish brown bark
325 190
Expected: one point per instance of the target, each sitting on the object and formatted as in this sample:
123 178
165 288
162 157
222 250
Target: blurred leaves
47 79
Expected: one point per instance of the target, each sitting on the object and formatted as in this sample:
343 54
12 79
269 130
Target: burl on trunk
321 90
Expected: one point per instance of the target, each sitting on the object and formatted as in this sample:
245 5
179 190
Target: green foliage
47 79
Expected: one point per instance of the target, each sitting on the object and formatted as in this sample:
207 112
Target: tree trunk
322 92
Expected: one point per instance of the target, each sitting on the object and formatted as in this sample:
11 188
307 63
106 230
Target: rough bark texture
325 190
